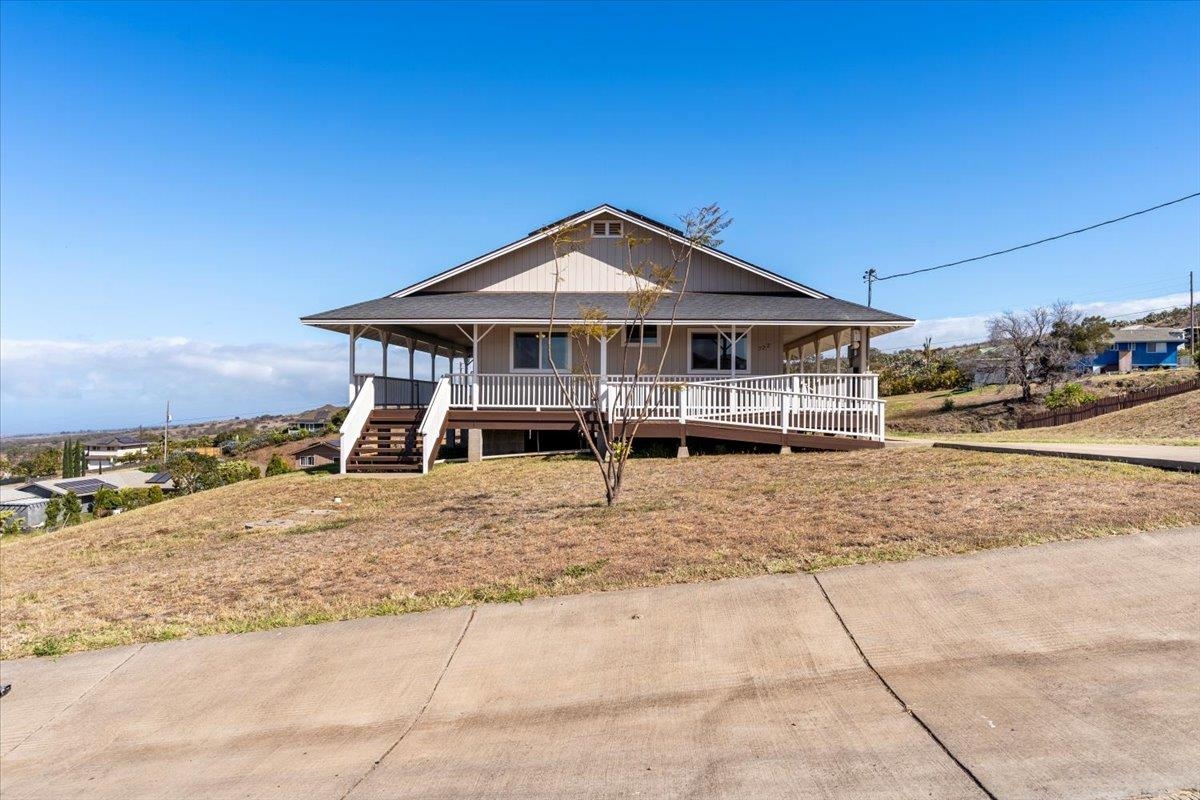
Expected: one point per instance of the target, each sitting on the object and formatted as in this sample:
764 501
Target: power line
871 276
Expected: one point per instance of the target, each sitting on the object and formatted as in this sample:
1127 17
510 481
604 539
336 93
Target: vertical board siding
600 265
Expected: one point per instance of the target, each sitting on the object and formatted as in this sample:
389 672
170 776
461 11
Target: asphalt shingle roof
535 307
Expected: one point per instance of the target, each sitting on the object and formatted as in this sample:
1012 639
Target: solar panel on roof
84 486
159 477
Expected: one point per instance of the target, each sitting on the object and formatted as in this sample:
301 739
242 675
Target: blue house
1141 347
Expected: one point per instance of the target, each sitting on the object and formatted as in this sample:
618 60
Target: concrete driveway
1066 670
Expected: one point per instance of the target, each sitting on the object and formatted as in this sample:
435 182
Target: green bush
948 404
135 497
235 471
106 501
1072 395
72 509
277 466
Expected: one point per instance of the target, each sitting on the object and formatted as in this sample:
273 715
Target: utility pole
869 278
1192 313
166 423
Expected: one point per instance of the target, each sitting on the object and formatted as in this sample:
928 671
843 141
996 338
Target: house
318 454
106 453
26 506
85 488
316 420
1140 347
726 340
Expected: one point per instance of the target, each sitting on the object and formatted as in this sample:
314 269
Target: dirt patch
511 529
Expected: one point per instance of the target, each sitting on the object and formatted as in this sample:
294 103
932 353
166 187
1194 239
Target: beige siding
601 265
766 354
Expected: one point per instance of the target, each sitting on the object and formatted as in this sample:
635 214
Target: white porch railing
432 422
356 418
842 404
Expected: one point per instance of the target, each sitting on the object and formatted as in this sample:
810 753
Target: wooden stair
389 442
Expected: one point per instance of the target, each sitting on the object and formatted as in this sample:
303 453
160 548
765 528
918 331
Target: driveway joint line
82 695
907 708
419 714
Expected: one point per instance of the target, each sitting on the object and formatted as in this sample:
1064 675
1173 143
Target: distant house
26 506
316 420
107 452
1141 347
85 488
318 454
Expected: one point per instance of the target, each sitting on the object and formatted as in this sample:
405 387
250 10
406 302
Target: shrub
53 511
72 509
136 497
1071 395
106 501
948 404
235 471
277 466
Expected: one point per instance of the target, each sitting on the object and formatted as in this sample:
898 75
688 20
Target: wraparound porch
404 421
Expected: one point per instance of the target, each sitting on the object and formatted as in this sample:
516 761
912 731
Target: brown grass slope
995 408
1174 420
511 529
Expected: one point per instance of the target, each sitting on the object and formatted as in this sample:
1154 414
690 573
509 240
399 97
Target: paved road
1149 455
1066 670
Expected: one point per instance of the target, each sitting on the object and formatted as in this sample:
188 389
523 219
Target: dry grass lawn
511 529
1175 421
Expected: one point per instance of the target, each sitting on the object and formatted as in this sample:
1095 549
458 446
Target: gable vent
607 229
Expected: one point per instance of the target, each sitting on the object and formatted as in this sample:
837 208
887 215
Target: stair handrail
433 420
356 418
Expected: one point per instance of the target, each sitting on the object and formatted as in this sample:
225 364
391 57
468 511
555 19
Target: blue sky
179 183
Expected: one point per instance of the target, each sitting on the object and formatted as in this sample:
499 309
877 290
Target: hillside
1175 420
280 551
996 408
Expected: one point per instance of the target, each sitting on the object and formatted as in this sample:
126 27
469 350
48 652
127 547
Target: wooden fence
1062 416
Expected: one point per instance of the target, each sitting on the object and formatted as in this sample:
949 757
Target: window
710 352
607 229
643 334
531 350
308 461
1156 347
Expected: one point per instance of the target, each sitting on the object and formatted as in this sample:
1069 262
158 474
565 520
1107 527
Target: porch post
475 367
433 362
837 352
732 352
864 350
411 347
603 359
353 342
384 338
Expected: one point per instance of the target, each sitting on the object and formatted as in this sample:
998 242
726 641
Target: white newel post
785 409
683 403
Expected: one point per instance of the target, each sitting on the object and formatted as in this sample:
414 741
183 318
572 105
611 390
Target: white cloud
962 330
58 385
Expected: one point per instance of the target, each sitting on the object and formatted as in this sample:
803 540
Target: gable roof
627 215
327 445
122 440
1147 333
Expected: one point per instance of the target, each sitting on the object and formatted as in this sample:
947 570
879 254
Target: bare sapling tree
609 412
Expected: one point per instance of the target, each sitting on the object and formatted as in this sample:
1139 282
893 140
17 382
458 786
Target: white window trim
657 336
749 370
307 461
1156 347
512 352
608 223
